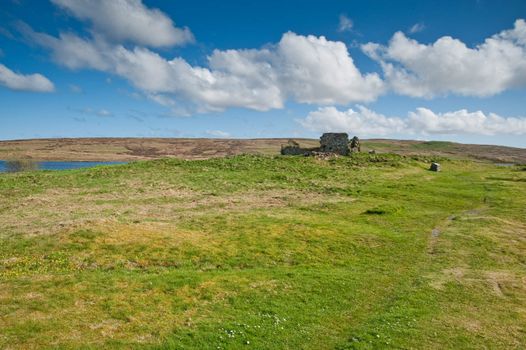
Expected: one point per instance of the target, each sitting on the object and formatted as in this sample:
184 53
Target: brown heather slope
129 149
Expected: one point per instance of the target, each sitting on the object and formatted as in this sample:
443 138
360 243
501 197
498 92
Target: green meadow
262 252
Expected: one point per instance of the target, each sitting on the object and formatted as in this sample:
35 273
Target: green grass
367 252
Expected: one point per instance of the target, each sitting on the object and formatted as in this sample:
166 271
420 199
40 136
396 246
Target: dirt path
437 230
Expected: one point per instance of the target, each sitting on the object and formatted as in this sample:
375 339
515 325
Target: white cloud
92 111
307 69
71 50
30 82
449 66
345 24
128 20
416 28
75 89
304 69
462 121
218 133
423 121
104 113
361 121
316 70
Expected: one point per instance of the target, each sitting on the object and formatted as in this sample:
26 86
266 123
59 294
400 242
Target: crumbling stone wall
355 144
335 143
292 148
293 151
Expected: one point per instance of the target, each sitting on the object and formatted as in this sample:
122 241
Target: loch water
14 166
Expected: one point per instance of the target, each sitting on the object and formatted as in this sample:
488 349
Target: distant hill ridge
129 149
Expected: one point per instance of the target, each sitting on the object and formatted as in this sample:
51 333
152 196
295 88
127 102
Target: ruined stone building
337 143
292 148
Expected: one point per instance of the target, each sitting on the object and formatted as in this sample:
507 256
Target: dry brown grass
57 210
129 149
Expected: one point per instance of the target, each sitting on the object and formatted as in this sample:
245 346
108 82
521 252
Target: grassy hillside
449 149
372 251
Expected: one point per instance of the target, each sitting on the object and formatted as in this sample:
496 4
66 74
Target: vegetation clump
18 165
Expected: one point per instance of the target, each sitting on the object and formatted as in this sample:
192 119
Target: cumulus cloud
316 70
422 121
345 24
128 20
30 82
462 121
361 121
450 66
307 69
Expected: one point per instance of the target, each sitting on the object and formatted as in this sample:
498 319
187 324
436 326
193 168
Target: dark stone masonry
337 143
292 148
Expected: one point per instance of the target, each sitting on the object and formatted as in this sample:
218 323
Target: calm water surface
61 165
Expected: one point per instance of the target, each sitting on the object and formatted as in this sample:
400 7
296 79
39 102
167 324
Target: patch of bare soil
495 282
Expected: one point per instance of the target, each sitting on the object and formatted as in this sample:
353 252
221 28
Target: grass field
265 252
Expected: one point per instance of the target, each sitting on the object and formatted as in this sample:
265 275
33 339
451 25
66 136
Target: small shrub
375 211
385 209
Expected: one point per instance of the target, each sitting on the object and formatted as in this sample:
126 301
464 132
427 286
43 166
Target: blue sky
441 70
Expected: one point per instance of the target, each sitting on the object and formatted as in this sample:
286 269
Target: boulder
435 167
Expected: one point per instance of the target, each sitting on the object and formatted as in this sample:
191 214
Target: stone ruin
330 143
292 148
337 143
